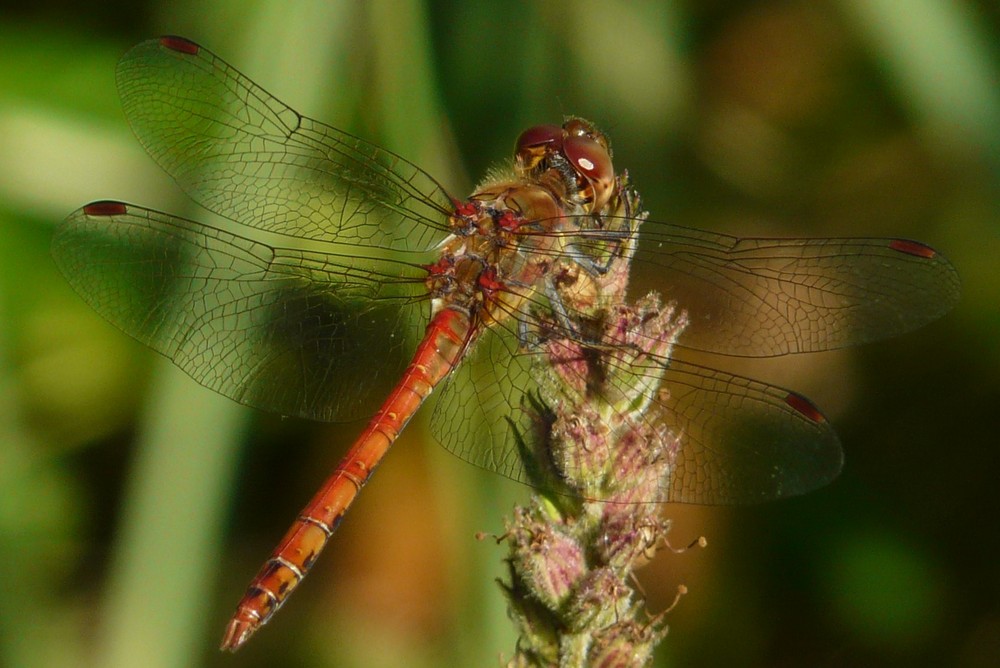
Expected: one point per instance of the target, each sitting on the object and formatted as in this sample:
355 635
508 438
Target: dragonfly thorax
518 230
490 262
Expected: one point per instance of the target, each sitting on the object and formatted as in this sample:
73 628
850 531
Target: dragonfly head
576 150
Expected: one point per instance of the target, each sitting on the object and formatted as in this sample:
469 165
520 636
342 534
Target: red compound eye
588 157
535 143
577 127
591 160
539 135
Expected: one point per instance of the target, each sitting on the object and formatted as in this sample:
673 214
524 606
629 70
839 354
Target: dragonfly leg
610 241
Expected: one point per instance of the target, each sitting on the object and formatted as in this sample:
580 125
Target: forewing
766 297
245 155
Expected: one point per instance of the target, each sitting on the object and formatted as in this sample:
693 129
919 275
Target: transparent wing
481 412
246 156
767 297
280 329
742 441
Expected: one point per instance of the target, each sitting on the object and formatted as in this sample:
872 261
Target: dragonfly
325 247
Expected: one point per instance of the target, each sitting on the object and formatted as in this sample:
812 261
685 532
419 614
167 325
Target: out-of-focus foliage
134 507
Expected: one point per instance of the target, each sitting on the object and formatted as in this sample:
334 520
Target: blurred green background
135 506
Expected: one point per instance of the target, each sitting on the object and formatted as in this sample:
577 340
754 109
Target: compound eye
588 157
591 160
539 135
577 127
534 143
